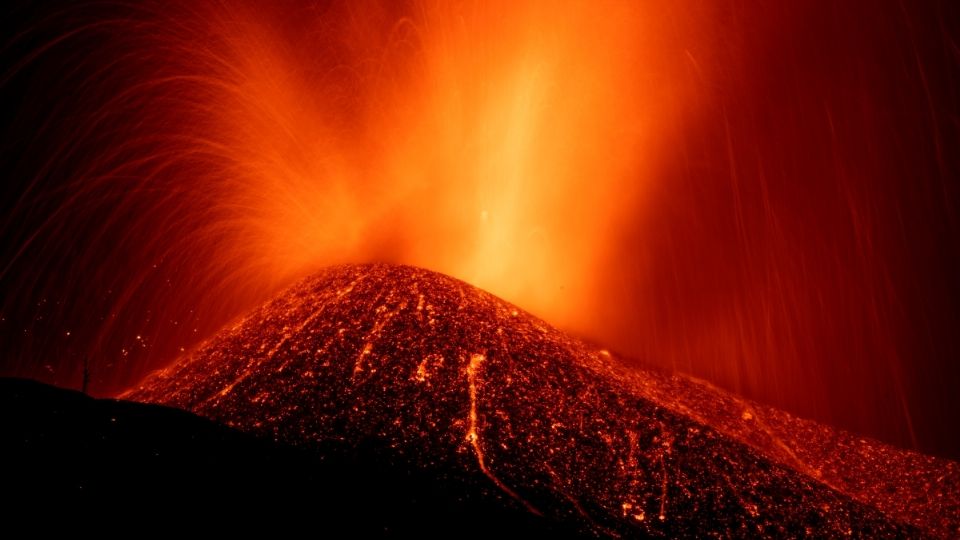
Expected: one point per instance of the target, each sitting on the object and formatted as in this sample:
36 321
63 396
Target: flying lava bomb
601 268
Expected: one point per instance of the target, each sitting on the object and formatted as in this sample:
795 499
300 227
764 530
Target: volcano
450 380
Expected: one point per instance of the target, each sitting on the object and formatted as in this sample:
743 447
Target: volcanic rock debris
445 376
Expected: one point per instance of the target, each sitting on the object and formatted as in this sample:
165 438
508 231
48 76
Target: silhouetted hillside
105 461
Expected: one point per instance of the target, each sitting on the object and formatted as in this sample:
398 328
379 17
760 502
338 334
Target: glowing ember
446 375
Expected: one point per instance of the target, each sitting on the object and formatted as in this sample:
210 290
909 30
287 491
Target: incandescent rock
446 378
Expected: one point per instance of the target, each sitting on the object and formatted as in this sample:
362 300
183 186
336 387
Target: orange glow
501 143
495 143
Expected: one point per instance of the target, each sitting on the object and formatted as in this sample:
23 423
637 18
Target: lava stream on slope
446 377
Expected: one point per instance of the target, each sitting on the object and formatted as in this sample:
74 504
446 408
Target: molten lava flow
473 434
444 377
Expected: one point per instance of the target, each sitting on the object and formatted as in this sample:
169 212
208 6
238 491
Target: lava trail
446 377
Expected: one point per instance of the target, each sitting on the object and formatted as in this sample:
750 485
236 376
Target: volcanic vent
445 377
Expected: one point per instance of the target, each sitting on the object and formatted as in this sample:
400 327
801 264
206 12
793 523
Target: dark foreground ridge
100 466
445 379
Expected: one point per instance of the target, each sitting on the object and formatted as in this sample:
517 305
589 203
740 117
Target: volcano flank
442 377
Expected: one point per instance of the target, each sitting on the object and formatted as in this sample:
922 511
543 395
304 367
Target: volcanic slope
446 378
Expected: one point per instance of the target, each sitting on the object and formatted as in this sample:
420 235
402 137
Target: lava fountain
763 196
221 153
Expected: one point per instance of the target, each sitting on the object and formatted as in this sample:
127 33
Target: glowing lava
445 376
